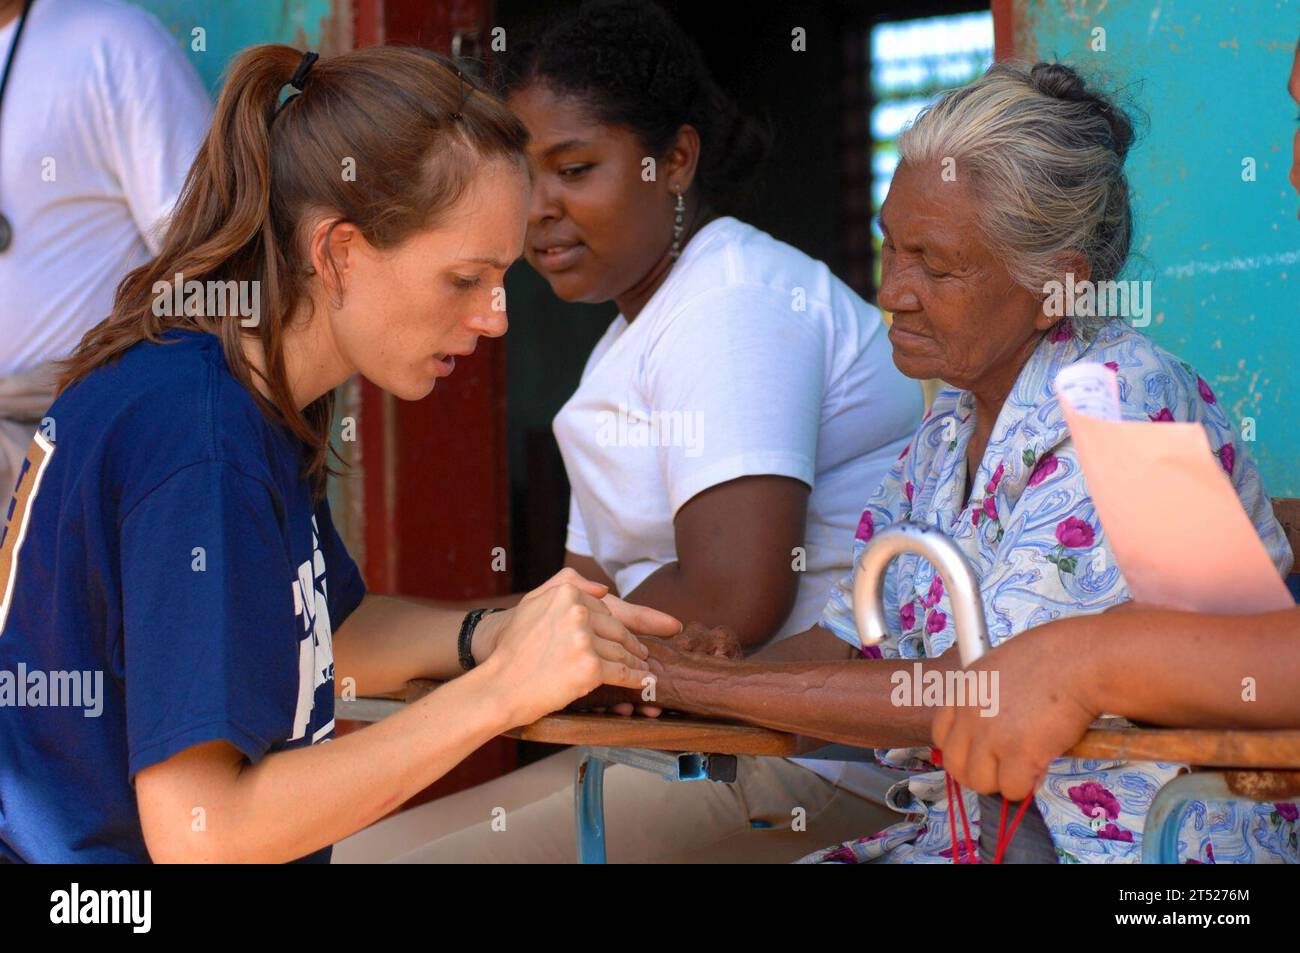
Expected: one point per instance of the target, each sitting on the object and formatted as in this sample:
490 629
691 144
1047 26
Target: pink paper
1172 518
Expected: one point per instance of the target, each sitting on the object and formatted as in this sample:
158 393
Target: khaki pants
647 819
24 399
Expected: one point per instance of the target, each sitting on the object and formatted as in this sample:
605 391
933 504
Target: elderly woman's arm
847 702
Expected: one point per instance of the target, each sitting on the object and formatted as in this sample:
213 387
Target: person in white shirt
100 120
727 430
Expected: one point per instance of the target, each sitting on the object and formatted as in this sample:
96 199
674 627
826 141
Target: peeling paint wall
231 25
1223 254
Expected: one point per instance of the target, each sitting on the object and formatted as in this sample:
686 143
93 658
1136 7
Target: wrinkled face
408 311
1293 86
957 314
595 227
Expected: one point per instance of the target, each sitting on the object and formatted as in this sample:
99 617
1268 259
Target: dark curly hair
633 66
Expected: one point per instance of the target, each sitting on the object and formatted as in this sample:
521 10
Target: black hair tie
299 78
300 75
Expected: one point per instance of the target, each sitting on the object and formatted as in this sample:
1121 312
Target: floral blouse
1034 540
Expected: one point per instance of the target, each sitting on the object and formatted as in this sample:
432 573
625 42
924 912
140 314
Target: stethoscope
6 227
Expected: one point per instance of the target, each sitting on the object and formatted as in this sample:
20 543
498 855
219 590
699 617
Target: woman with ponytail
177 608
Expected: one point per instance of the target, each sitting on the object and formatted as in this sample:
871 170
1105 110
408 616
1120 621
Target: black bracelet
464 642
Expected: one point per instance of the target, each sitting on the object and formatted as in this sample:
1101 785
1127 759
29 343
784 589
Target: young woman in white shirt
727 429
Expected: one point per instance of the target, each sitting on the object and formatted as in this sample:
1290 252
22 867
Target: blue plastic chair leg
589 786
589 807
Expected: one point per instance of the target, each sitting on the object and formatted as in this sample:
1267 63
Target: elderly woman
1039 192
1004 185
1186 673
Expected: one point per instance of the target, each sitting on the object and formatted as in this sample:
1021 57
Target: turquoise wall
1223 254
231 25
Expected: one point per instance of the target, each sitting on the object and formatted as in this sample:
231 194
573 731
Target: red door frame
1007 25
435 476
435 479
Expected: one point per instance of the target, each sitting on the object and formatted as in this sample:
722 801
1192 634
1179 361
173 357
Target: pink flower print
1074 533
908 490
992 485
840 855
1113 832
872 651
1061 331
1094 800
1114 366
907 617
975 516
961 852
990 508
935 594
1045 468
1289 812
1209 854
1203 388
866 527
935 621
1227 457
1164 417
904 453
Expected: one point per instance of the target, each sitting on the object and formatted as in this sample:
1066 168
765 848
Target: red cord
972 855
1002 828
952 820
953 788
1003 844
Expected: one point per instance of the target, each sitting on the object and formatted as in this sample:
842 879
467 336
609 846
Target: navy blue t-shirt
165 581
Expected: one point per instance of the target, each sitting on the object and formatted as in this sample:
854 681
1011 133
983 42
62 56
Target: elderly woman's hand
1042 710
696 639
700 639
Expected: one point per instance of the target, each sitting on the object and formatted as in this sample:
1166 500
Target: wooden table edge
1277 749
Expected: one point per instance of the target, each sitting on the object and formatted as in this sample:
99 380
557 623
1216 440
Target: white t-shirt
101 121
750 359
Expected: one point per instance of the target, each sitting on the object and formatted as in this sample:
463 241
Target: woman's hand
1041 705
560 643
695 639
640 619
